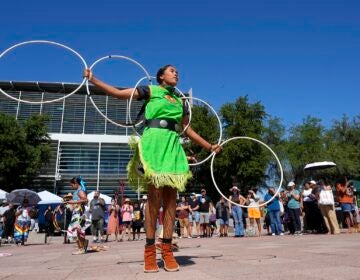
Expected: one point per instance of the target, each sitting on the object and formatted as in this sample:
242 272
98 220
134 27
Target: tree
306 144
343 144
241 162
24 150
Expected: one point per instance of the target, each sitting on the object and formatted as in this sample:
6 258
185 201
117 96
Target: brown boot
170 263
150 264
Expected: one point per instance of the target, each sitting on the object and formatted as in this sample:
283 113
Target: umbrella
18 196
2 194
319 165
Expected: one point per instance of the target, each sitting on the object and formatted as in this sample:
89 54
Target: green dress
159 150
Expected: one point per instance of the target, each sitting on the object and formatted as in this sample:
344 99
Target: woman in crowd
327 207
236 211
254 210
113 224
126 213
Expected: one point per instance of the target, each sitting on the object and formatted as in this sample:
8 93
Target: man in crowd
97 210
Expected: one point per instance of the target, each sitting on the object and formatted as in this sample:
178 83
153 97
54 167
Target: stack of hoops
136 123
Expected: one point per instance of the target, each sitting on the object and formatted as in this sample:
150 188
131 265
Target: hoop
50 43
92 101
131 99
266 146
220 127
190 112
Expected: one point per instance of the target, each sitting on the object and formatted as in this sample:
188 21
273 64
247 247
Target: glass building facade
83 142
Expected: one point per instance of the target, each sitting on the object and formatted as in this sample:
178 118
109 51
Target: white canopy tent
107 198
49 198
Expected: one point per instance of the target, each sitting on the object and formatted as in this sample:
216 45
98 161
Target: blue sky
297 58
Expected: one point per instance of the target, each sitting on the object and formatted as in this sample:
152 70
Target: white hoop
190 111
92 101
220 127
277 160
50 43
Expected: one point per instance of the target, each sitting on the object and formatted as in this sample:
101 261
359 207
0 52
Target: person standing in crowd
159 151
354 208
194 215
143 210
4 207
9 218
254 210
126 212
77 225
273 208
223 214
22 223
345 196
204 202
183 210
97 211
49 226
309 203
137 221
113 224
236 211
327 206
212 220
293 205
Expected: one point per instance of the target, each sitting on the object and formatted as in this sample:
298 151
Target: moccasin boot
170 263
150 264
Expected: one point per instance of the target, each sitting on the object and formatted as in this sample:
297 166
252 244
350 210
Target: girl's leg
152 210
151 214
169 211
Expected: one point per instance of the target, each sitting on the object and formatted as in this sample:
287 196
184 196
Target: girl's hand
88 74
215 148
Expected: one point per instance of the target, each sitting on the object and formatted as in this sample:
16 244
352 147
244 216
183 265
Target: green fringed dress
159 150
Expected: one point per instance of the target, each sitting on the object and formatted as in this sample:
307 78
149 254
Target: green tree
343 144
241 161
306 144
24 150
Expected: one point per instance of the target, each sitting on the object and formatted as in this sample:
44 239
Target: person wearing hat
126 212
293 205
236 211
165 166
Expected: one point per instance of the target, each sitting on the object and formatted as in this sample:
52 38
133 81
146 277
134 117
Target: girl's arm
198 139
83 199
108 89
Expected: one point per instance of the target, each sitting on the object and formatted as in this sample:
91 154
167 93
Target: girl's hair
79 180
160 72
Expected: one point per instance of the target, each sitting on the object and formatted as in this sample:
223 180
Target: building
83 142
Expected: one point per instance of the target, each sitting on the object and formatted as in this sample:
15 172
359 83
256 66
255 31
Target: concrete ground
268 257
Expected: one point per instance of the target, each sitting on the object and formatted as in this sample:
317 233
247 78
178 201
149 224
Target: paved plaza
268 257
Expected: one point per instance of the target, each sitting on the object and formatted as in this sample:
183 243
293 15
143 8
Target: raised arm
108 89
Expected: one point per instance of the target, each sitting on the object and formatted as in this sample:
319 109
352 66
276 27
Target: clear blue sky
297 58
